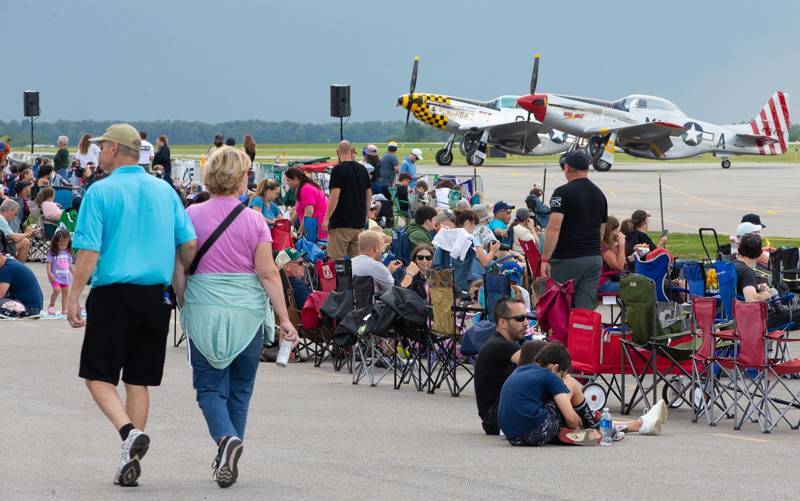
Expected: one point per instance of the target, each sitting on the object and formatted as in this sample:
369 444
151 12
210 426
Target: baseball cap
372 150
392 145
639 216
287 256
21 185
512 269
417 153
576 159
124 134
750 245
522 214
502 205
753 218
746 228
481 210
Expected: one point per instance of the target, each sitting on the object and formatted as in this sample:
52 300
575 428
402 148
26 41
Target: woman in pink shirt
311 201
225 311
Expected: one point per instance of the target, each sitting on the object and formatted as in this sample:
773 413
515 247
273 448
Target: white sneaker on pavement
133 450
653 419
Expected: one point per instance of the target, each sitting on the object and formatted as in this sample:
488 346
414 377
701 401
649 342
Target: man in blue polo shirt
131 228
499 225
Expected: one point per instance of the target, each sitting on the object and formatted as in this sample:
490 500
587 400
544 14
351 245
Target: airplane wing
758 138
648 131
508 134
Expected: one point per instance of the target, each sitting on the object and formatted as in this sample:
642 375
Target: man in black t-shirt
639 236
578 215
754 289
498 358
351 196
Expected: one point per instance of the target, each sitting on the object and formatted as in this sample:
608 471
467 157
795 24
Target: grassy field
269 153
687 245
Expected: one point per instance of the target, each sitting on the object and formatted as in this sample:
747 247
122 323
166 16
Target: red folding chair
552 309
282 235
326 275
758 376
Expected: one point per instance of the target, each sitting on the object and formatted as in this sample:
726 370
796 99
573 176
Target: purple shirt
234 251
59 266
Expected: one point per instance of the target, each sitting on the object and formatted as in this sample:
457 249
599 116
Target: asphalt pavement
312 434
695 195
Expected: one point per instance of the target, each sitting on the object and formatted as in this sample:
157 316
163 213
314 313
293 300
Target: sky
216 61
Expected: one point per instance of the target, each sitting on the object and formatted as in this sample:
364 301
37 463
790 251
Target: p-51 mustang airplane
500 123
652 127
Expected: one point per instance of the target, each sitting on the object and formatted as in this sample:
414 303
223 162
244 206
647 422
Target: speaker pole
341 129
31 135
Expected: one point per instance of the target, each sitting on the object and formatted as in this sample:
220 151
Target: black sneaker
230 450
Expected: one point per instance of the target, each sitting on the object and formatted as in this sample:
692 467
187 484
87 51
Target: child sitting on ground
59 272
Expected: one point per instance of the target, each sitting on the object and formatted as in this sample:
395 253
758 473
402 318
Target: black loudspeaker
30 101
340 101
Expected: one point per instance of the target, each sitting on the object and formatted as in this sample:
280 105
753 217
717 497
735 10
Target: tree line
184 132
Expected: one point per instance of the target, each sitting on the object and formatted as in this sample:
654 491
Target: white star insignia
692 135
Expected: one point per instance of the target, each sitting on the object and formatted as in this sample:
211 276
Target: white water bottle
605 427
283 353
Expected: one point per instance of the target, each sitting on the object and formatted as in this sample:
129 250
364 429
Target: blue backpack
401 245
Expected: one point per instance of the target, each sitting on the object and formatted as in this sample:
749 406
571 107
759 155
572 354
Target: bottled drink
605 427
734 245
283 353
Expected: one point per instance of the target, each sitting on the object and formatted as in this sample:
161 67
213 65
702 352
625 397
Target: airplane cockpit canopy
643 102
504 102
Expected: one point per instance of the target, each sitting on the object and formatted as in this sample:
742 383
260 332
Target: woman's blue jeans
224 394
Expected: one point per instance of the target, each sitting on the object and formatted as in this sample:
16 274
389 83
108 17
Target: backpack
401 245
476 337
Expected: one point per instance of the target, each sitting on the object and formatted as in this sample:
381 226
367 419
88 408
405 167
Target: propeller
534 81
413 87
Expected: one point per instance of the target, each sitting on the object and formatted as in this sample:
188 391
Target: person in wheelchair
754 287
541 403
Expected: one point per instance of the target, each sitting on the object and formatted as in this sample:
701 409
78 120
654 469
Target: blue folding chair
656 270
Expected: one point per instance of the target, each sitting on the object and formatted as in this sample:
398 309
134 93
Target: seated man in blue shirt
291 261
18 283
499 225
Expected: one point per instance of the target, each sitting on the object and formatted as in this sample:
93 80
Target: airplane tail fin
773 121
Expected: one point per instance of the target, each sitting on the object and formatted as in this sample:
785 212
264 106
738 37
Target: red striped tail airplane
652 127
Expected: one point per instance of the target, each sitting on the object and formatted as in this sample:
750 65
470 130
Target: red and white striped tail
773 121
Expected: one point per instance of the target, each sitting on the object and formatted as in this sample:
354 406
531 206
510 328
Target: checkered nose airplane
500 123
652 127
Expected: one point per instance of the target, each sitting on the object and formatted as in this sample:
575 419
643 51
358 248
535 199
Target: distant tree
794 132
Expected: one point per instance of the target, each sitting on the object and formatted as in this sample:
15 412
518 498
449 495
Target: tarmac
312 434
694 195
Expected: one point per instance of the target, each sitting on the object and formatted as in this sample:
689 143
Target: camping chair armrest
467 309
667 337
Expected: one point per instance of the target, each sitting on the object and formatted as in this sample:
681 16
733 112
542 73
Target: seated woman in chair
612 249
417 270
45 199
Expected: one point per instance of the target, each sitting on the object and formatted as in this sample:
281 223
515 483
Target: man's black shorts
126 330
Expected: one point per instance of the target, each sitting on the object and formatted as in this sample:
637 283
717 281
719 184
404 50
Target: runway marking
673 221
723 205
737 437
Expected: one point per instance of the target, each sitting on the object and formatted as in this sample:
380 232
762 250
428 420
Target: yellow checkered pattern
419 108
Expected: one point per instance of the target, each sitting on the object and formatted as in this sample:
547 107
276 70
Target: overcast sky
274 60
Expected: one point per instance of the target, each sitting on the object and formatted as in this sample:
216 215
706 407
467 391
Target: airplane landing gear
602 166
477 152
726 164
444 157
595 148
474 159
467 144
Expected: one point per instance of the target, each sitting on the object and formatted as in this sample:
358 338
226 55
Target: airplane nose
402 101
536 104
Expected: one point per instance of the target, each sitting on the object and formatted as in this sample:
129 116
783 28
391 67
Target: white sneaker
653 419
133 450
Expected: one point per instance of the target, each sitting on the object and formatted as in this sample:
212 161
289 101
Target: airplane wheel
444 157
473 159
595 148
602 166
726 164
466 145
595 396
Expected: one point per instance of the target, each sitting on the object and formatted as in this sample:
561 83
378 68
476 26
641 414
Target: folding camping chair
368 348
657 269
533 261
713 357
657 346
596 352
759 376
398 210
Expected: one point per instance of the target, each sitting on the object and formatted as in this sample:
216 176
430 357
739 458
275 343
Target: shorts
126 331
546 432
58 285
343 242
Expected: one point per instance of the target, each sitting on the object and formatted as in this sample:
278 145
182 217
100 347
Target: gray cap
522 214
481 210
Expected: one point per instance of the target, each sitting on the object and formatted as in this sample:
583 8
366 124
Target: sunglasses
424 258
518 318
